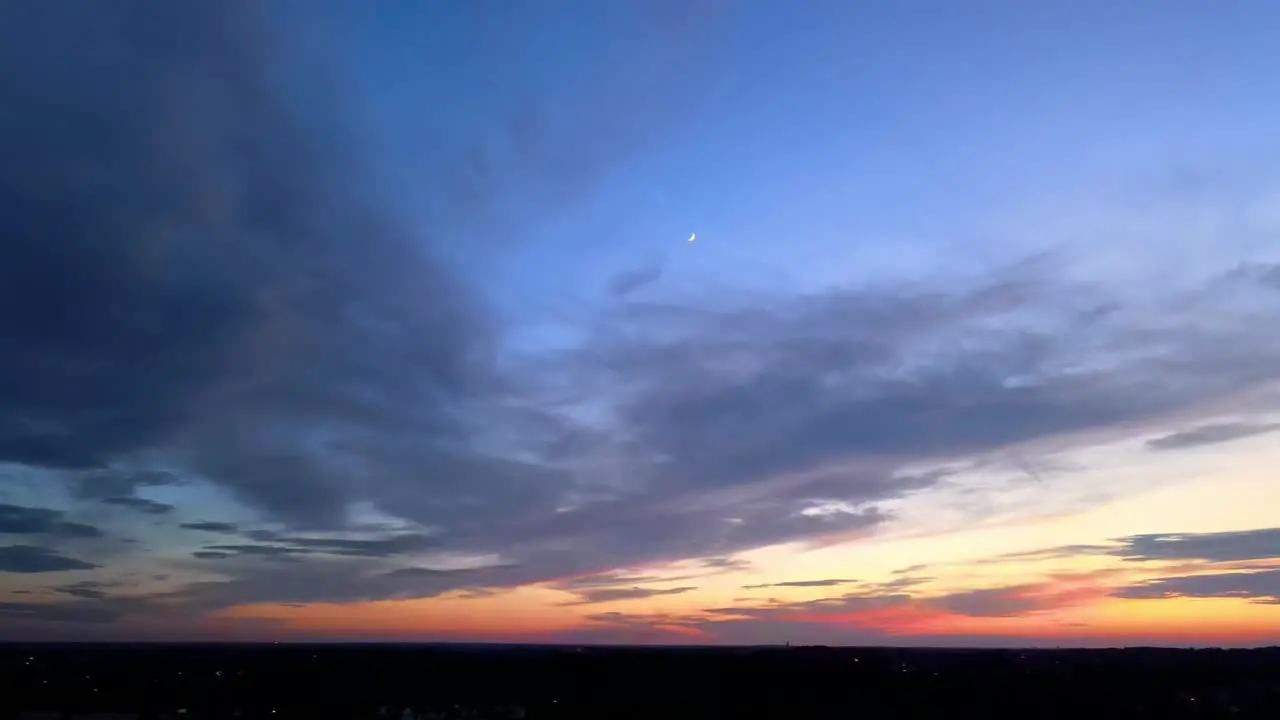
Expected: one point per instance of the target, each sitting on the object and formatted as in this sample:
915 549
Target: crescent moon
693 236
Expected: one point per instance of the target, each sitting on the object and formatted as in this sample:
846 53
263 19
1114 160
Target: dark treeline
293 681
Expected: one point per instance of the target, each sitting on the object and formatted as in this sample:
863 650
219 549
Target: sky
324 320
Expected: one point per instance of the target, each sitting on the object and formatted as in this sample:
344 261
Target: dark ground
354 681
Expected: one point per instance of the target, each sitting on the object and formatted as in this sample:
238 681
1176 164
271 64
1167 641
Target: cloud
256 550
211 555
633 281
196 272
616 579
991 602
99 485
30 559
142 505
792 385
353 547
603 595
1260 587
379 548
1227 549
725 564
1271 277
18 520
1211 435
257 579
625 580
72 612
819 610
894 607
1265 274
614 628
789 419
829 582
1261 544
211 526
1052 553
85 590
419 573
765 418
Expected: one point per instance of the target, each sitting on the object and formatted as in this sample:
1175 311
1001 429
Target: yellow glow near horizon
1237 494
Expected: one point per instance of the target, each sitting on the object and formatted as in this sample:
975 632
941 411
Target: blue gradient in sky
822 144
807 143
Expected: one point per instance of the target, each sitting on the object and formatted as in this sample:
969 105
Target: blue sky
362 319
827 146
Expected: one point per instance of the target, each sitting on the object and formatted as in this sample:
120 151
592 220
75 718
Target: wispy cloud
1211 435
18 520
1260 587
603 595
142 505
827 582
30 559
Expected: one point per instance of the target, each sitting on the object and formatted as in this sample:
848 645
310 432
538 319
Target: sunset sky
347 320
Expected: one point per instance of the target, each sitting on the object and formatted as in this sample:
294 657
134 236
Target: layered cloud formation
236 370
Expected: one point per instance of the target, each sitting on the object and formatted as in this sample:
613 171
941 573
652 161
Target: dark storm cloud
32 559
1260 587
142 505
193 267
18 520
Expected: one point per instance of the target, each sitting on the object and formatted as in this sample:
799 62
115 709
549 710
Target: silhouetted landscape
507 681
